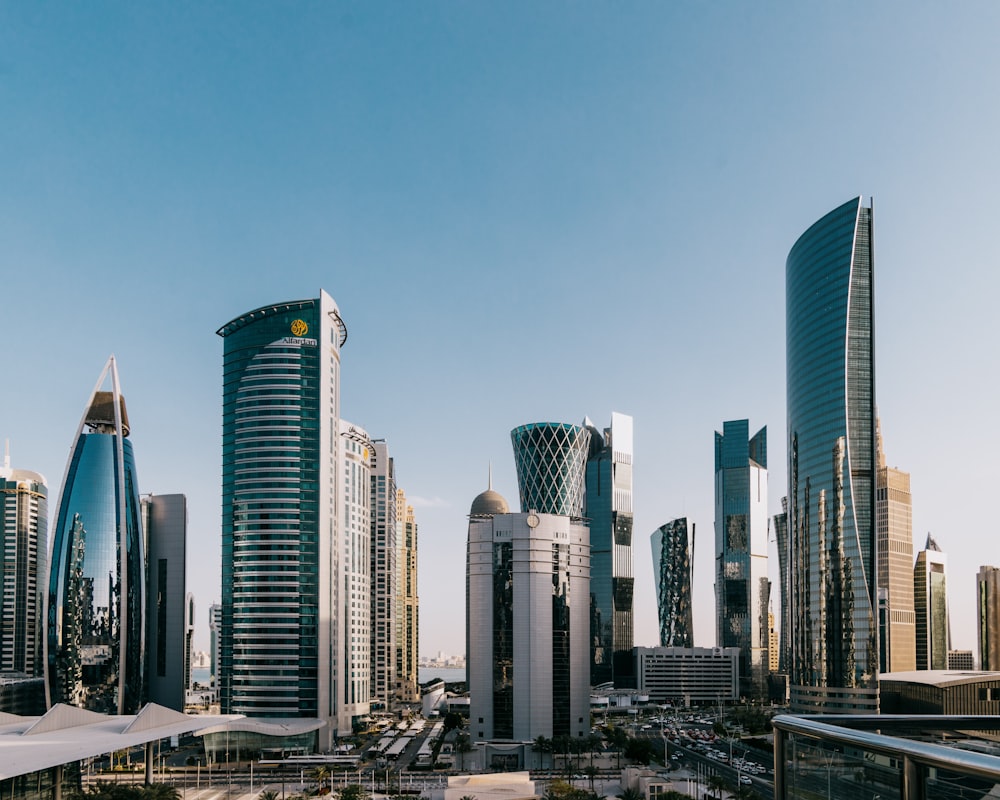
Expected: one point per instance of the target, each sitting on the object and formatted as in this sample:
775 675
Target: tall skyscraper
354 606
164 519
988 608
893 519
407 604
784 589
23 533
930 601
527 621
673 559
95 602
384 577
609 510
281 530
831 464
742 590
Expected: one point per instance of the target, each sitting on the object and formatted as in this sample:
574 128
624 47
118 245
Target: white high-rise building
353 618
23 533
528 623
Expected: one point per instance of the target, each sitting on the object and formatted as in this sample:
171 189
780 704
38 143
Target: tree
354 791
639 750
719 784
268 794
452 720
320 775
541 745
630 794
617 738
591 772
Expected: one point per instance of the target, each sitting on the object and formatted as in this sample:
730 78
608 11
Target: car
745 779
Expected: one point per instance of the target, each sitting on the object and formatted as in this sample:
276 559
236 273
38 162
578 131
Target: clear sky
526 211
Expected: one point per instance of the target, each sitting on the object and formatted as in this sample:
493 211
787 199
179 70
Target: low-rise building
688 675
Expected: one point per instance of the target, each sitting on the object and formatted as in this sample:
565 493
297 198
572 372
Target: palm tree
353 791
630 794
719 784
541 745
268 794
591 772
618 739
320 774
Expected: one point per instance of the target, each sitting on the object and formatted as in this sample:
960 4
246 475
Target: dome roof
489 503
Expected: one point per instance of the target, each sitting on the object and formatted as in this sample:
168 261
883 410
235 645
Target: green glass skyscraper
280 652
831 464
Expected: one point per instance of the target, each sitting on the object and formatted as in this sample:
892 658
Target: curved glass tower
95 601
281 650
831 468
551 461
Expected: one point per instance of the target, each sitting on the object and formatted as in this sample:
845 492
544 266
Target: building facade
168 670
784 589
894 524
527 623
688 676
24 535
354 605
742 590
673 557
551 462
215 640
831 464
281 654
407 604
384 578
609 511
95 602
988 609
930 602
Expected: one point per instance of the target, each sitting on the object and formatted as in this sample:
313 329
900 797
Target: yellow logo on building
299 328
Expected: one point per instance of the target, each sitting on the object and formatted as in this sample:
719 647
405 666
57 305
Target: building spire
490 481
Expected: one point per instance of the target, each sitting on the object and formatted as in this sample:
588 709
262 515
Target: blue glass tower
742 589
95 602
831 464
609 511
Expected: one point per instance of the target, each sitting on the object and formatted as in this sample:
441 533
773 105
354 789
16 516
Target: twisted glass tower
95 602
831 466
672 577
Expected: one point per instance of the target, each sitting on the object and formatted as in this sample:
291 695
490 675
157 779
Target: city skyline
472 183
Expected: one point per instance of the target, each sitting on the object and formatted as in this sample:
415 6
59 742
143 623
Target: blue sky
526 212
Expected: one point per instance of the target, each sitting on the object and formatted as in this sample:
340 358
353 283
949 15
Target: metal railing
885 757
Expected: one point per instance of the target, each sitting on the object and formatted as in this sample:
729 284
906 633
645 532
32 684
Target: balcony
886 757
